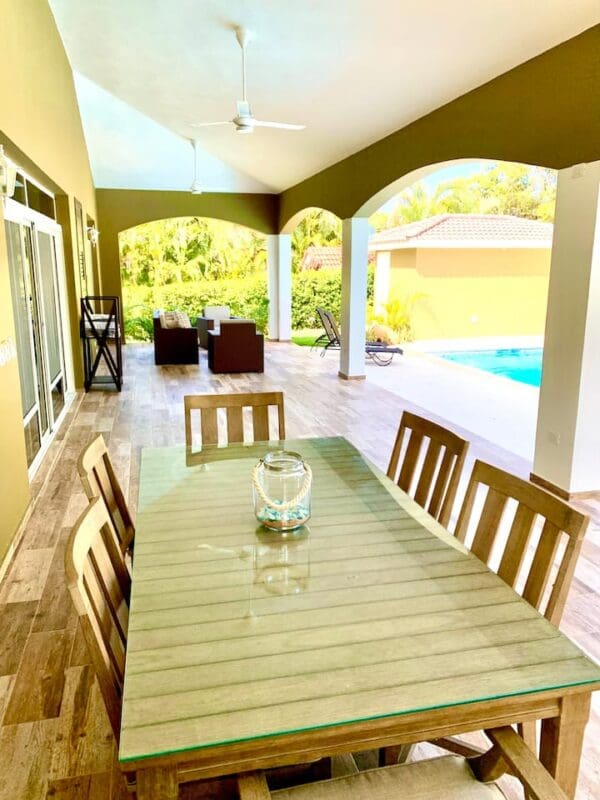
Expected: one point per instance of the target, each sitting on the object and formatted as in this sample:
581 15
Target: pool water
519 364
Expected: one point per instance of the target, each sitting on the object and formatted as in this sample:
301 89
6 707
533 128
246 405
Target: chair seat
448 777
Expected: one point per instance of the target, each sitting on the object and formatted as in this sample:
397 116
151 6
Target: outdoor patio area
299 443
55 739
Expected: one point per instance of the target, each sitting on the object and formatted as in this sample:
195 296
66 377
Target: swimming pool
519 364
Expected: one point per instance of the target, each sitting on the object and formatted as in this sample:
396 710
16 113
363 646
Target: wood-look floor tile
25 756
27 576
84 742
81 787
6 683
38 688
55 610
15 624
42 530
79 653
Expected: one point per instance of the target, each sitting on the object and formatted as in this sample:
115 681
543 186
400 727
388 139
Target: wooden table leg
157 782
562 740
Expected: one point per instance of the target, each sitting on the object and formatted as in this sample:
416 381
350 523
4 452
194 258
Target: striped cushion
446 778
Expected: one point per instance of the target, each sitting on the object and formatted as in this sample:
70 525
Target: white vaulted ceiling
352 71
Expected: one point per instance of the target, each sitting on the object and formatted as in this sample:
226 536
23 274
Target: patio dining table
372 626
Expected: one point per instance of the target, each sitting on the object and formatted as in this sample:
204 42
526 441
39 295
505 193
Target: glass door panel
20 304
32 260
37 326
48 291
21 301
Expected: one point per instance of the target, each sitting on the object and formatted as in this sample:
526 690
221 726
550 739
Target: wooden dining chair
540 567
531 538
234 405
431 465
100 587
99 480
448 777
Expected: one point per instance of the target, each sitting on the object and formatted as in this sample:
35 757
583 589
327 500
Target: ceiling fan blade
209 124
286 126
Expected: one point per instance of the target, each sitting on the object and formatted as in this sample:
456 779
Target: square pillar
279 268
355 245
567 446
381 289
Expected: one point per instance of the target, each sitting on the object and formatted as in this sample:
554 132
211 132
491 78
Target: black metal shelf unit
101 329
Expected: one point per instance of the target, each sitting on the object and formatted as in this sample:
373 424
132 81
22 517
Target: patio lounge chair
381 353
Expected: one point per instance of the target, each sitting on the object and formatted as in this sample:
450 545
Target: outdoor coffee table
374 627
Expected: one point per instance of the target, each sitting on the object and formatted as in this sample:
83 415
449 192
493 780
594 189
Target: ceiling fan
244 121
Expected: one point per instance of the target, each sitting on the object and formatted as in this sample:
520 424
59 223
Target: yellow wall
41 130
472 292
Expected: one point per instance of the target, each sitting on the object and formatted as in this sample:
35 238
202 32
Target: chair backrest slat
233 404
99 480
411 458
235 424
543 562
548 576
209 425
433 459
260 423
513 556
489 521
428 472
100 585
441 484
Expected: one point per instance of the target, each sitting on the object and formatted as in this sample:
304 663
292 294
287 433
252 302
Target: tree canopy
189 249
504 188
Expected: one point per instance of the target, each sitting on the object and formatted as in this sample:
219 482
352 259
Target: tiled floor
55 740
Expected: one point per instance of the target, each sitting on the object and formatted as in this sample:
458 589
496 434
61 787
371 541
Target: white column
567 447
355 245
279 268
381 290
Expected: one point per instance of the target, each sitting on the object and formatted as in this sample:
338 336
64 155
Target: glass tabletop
370 610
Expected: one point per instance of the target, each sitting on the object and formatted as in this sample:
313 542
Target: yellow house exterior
467 287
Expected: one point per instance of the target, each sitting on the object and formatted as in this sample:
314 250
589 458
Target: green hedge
247 297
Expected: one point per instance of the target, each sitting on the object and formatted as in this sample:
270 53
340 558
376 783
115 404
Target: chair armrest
511 754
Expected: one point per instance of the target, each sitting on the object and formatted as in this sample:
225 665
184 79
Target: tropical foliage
514 189
247 297
189 249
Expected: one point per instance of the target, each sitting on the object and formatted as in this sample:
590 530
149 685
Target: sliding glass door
33 265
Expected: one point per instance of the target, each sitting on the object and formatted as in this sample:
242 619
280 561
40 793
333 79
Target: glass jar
281 484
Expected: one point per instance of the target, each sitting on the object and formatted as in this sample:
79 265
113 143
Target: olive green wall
120 209
545 112
42 132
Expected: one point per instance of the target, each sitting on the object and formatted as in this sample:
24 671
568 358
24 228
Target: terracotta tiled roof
468 227
325 258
